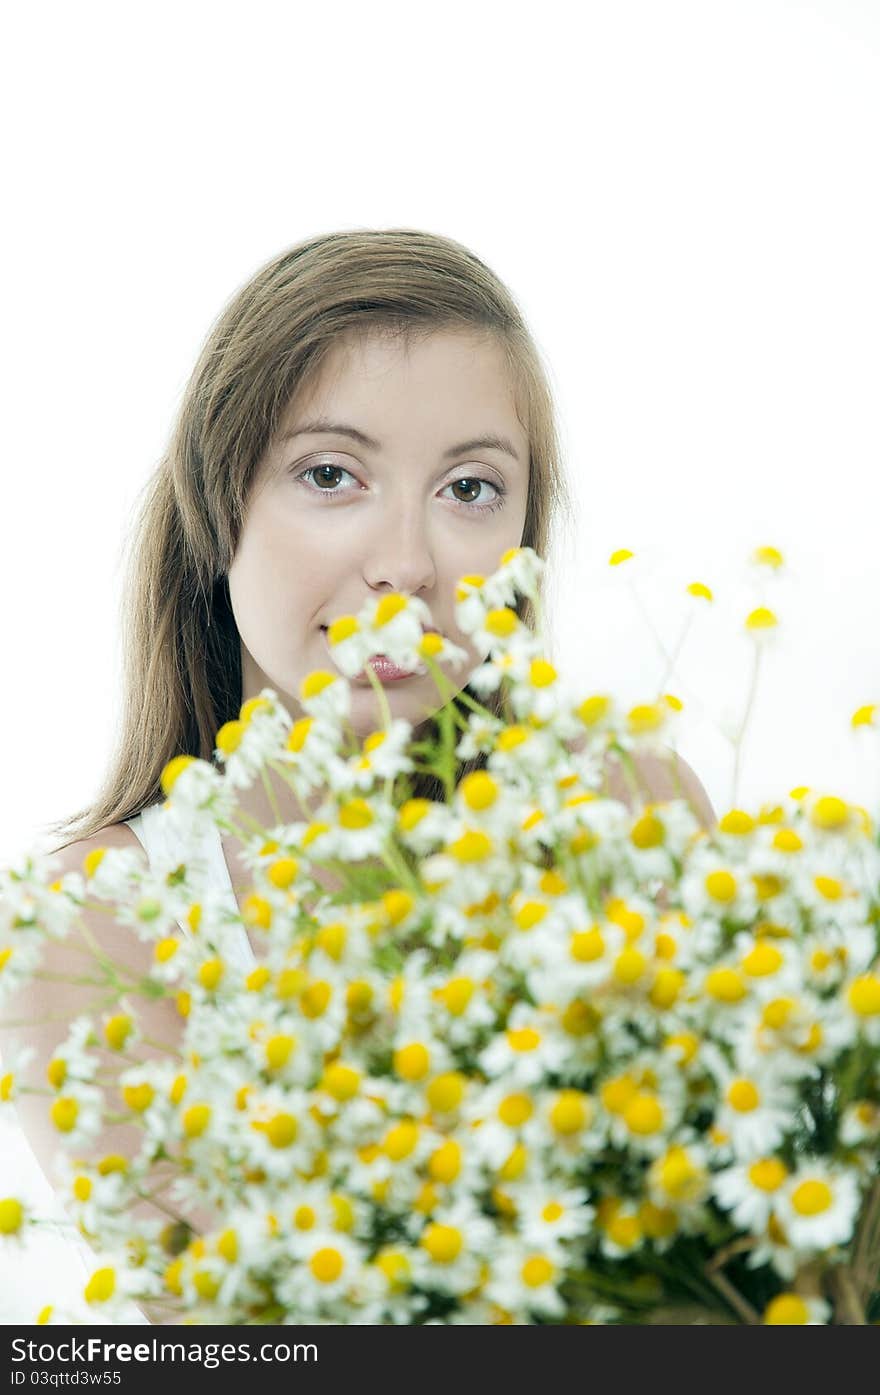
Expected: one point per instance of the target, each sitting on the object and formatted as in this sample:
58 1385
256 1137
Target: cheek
278 579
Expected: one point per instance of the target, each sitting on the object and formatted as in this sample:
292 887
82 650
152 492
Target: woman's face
335 520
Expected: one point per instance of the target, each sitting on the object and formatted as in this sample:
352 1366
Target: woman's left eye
324 475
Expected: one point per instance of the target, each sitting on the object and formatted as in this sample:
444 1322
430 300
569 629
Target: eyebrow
323 427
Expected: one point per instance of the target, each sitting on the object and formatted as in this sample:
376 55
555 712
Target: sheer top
156 835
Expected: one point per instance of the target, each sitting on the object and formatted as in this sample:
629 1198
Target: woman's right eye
324 475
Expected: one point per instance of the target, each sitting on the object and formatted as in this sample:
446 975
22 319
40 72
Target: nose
399 554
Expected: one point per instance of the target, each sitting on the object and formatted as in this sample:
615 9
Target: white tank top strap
156 835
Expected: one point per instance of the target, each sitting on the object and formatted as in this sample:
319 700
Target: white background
684 200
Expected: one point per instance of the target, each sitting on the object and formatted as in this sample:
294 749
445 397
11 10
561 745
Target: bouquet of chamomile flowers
547 1058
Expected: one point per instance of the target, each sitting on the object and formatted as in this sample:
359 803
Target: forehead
378 374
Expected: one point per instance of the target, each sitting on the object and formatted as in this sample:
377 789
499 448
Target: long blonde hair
181 657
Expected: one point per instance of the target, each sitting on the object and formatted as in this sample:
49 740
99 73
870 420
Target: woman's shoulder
70 858
662 775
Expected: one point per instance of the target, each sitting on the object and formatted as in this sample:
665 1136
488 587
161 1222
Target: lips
382 666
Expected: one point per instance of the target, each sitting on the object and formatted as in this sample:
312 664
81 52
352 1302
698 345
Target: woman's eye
471 483
324 476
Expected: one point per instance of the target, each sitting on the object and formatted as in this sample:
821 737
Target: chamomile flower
748 1190
525 1279
818 1206
276 1130
325 1266
326 696
715 887
798 1034
771 966
503 1116
452 1248
15 1216
794 1309
860 1123
619 1227
18 959
246 744
196 796
530 1046
462 1000
382 755
480 736
13 1060
755 1108
90 1189
774 1248
547 1215
679 1177
860 1000
76 1113
114 1283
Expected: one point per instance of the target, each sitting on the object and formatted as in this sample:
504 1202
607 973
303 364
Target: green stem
670 667
649 622
270 793
738 742
381 695
848 1310
740 1306
398 869
629 770
47 977
864 1258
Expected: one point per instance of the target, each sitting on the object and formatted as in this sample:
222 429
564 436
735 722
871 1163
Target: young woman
368 414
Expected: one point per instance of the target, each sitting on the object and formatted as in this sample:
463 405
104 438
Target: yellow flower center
456 995
743 1096
401 1140
721 886
762 960
443 1242
786 1309
587 945
356 814
444 1164
473 846
101 1286
629 965
644 1114
767 1174
679 1177
412 1062
830 812
514 1110
341 1081
811 1198
11 1215
326 1265
278 1050
196 1119
64 1113
479 790
315 999
863 995
647 832
445 1092
725 985
569 1112
536 1271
